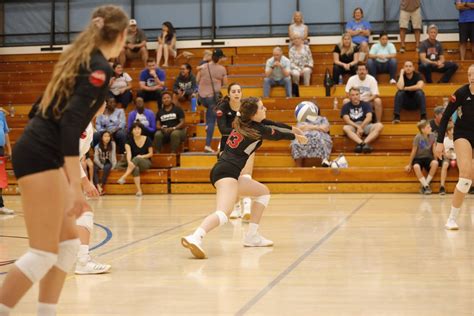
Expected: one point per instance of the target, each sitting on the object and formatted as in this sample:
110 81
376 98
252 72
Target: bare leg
251 187
444 172
418 173
166 54
159 53
464 161
433 168
350 133
374 133
403 33
462 50
378 109
136 180
129 170
417 37
144 55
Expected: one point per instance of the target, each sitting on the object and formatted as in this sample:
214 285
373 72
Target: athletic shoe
428 190
194 245
6 211
236 212
366 149
121 181
91 267
402 49
208 149
257 240
358 148
393 81
325 163
451 224
442 191
422 189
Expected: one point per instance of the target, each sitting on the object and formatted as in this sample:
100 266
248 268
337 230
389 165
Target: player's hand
301 139
439 150
89 188
77 203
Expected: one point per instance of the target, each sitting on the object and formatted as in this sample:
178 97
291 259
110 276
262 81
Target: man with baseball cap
135 45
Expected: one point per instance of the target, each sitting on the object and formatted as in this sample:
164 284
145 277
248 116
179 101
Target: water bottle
11 109
340 80
335 104
193 104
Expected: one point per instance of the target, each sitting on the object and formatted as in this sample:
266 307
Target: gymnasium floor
341 254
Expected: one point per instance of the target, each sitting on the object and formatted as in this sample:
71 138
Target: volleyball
306 111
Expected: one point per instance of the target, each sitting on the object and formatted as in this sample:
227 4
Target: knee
377 102
86 220
347 129
416 167
263 199
35 263
158 136
266 80
434 164
67 254
287 80
136 172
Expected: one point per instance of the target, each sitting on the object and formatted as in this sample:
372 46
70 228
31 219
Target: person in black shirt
46 160
410 93
250 129
463 102
346 57
138 153
169 125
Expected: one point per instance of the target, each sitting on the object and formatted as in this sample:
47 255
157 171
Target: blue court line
107 238
297 262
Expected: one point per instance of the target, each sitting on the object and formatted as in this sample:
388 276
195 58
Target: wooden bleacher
24 77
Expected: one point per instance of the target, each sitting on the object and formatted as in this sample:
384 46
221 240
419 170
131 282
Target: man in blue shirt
277 72
5 148
466 24
152 82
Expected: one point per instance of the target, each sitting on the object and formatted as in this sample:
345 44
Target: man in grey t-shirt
277 72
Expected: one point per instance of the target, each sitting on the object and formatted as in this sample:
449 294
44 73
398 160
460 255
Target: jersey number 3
234 139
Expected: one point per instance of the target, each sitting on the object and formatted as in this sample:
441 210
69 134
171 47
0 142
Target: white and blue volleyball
306 111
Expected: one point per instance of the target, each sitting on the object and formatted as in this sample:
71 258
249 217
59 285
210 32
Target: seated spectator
169 125
364 53
434 122
139 151
382 58
152 83
121 86
369 89
358 28
105 159
410 93
166 44
449 157
432 58
410 10
145 116
185 86
135 44
112 121
346 57
357 116
297 27
277 72
422 156
210 80
319 142
301 60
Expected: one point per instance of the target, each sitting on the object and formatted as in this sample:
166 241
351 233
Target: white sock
454 212
83 254
252 229
4 310
423 181
45 309
199 233
428 179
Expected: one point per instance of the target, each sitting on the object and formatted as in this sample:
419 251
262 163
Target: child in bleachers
449 159
422 156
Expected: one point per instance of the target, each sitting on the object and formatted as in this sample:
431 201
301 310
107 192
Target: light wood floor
347 254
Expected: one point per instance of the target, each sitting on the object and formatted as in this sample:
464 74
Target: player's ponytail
243 120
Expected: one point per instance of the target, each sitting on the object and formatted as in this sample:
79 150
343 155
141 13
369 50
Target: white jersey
85 144
368 87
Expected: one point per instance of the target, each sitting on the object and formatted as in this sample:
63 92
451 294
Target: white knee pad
463 185
222 217
67 254
36 263
86 220
247 176
263 199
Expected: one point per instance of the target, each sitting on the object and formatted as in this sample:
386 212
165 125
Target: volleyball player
245 139
46 161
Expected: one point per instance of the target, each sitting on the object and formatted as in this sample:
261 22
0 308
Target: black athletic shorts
467 136
466 32
223 170
423 162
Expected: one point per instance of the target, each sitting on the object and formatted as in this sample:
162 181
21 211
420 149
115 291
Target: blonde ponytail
243 120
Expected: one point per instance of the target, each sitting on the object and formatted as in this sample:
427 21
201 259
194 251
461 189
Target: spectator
357 116
297 27
5 152
432 58
410 10
319 142
436 121
169 125
152 83
206 58
210 80
466 25
449 157
277 72
166 43
422 156
145 116
301 61
382 58
139 151
410 93
364 52
112 121
368 87
346 57
135 44
358 28
185 86
105 159
121 86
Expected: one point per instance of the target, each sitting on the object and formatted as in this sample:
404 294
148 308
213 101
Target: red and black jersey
461 101
225 116
238 148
